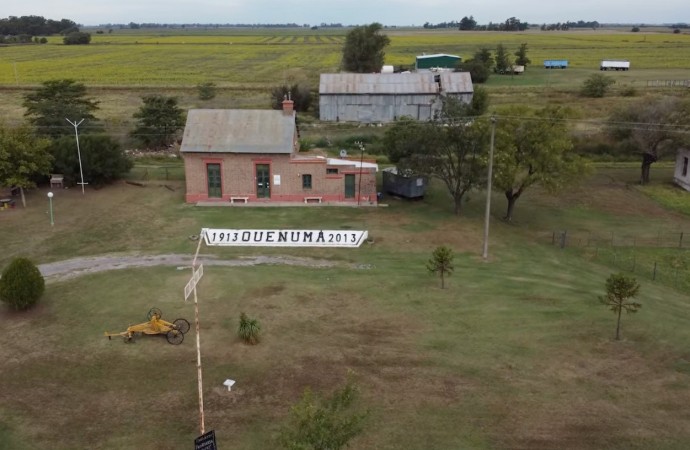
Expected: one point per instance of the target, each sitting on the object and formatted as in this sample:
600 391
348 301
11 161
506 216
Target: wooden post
654 273
680 241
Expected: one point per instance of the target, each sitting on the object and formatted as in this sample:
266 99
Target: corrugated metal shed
238 131
456 82
372 98
377 83
437 60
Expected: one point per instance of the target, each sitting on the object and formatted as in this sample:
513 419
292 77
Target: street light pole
361 160
76 134
50 206
485 252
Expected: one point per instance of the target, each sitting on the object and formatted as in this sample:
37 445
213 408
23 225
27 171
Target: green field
245 64
234 57
517 352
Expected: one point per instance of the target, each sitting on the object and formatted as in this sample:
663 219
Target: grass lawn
516 352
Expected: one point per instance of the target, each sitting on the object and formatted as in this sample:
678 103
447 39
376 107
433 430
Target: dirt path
71 268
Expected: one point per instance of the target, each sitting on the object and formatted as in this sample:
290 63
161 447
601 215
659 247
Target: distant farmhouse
250 156
384 97
437 61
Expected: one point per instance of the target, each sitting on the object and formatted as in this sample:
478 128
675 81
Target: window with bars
306 181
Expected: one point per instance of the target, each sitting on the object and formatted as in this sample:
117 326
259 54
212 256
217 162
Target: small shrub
324 423
323 142
206 91
22 284
676 31
249 330
596 86
628 91
441 262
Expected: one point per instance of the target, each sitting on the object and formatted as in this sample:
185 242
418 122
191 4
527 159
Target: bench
237 199
56 180
315 199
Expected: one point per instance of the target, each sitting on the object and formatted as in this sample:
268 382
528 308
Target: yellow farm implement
174 332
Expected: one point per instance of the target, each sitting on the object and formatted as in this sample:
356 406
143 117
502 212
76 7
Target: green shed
441 60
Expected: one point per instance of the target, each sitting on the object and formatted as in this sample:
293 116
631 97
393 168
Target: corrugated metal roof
437 55
238 131
377 83
456 82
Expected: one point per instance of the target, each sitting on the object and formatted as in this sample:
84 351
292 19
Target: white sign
276 180
284 238
198 273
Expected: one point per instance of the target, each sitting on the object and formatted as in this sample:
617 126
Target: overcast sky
314 12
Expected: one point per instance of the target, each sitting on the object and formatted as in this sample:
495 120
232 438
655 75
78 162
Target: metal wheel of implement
182 325
174 337
153 311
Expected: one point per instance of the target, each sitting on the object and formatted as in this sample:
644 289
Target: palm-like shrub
249 330
22 284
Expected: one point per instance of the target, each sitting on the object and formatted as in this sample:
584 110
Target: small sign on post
206 441
189 288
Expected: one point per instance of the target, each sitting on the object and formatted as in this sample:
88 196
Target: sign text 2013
284 238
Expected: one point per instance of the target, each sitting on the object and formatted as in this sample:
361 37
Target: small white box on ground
229 383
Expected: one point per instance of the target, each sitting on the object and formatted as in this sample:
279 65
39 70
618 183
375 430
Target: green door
213 176
263 184
349 186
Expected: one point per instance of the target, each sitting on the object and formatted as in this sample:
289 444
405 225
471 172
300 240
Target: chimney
288 105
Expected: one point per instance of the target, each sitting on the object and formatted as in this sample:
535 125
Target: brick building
253 156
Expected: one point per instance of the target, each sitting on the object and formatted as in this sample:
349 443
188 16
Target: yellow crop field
260 57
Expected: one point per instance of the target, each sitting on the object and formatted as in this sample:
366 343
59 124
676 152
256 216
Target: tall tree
57 100
23 158
521 58
158 121
364 49
533 148
103 159
484 56
468 23
451 149
619 290
652 127
502 60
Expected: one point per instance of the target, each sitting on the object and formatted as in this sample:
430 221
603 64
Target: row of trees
564 26
530 148
364 52
483 62
36 26
470 24
46 143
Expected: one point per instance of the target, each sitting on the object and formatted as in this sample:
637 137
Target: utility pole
361 161
485 252
76 134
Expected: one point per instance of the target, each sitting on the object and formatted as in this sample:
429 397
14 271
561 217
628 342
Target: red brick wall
238 178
